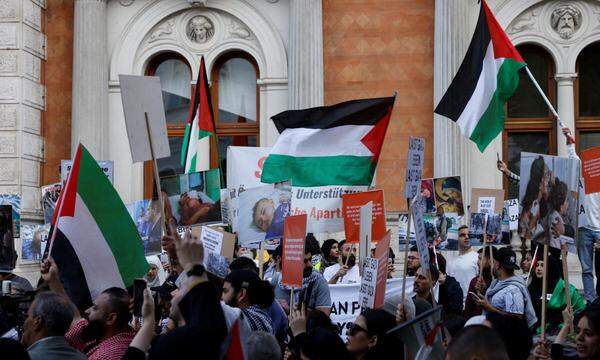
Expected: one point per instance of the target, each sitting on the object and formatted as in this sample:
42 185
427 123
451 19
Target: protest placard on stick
292 263
414 167
590 168
382 252
368 284
351 206
366 232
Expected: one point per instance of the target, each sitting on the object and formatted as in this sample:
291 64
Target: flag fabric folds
486 79
94 241
195 148
330 145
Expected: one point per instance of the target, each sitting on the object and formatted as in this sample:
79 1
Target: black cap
487 251
166 288
507 258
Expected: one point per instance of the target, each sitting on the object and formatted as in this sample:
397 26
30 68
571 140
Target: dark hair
311 245
55 310
463 227
441 262
259 292
536 174
316 319
414 248
243 263
379 322
558 195
514 332
118 302
12 349
454 323
326 247
435 273
592 313
278 251
477 341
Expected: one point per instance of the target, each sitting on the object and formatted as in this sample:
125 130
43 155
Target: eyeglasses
354 329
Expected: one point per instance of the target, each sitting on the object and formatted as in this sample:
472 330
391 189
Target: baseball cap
507 258
487 252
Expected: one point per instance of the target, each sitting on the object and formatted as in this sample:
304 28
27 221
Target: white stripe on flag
95 256
340 140
192 144
484 91
203 154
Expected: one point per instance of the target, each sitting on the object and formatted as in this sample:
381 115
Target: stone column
89 122
565 108
305 67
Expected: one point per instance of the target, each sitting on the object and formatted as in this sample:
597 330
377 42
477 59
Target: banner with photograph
147 219
193 198
50 195
33 241
14 200
548 196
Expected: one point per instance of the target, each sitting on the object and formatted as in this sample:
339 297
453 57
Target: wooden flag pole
533 265
261 260
567 286
156 177
291 300
406 246
544 291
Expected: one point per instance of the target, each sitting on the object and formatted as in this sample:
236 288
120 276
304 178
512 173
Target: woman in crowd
367 338
156 276
535 286
331 254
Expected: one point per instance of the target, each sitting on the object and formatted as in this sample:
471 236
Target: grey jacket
54 348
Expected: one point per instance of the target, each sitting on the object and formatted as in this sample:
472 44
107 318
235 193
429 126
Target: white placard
368 284
513 213
486 205
212 241
366 233
143 94
421 236
106 166
414 167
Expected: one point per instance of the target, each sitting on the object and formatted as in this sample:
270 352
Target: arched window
587 111
529 125
235 97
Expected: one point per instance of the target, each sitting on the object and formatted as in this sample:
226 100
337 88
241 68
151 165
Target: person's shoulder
330 271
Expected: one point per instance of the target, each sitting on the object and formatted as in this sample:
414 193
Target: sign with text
414 167
368 284
382 253
292 263
512 209
590 162
218 249
106 166
366 226
487 201
421 236
351 205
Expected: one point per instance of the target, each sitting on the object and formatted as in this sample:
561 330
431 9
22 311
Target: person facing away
48 319
476 342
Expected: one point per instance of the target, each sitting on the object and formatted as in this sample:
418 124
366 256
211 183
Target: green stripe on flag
319 170
115 223
185 144
492 122
203 134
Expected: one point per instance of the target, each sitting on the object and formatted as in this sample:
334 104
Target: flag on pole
195 149
94 241
486 79
234 347
330 145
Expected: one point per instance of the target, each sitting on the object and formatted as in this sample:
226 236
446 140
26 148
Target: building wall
371 49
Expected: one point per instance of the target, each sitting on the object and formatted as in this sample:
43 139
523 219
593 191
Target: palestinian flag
330 145
93 239
195 149
486 79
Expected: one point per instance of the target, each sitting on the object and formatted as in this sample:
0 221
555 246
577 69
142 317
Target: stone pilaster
89 122
565 95
306 54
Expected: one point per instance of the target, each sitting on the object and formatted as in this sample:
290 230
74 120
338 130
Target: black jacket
451 296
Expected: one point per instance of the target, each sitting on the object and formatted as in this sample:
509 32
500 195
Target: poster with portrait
448 194
8 255
548 198
14 200
262 211
428 195
33 240
193 198
493 229
147 219
50 194
477 228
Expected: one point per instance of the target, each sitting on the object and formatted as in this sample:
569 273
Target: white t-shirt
464 268
351 277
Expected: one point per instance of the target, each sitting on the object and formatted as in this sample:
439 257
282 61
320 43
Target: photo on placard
8 254
262 211
13 200
217 265
147 218
428 195
477 228
548 198
402 229
193 198
448 194
442 230
493 229
50 194
33 241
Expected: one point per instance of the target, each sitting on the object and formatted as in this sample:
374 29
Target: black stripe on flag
71 272
354 112
463 85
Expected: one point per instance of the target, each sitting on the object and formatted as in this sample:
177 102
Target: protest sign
218 249
33 241
403 228
414 167
351 204
106 166
345 306
7 241
50 195
487 201
192 199
512 210
445 192
421 237
147 217
144 117
14 200
261 213
225 206
292 263
366 232
382 254
590 166
368 283
423 334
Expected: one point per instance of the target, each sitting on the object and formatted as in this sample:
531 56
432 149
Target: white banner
345 305
414 167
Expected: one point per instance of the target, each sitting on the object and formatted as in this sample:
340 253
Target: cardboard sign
292 264
366 230
368 284
351 204
590 166
143 95
382 252
421 236
512 209
486 200
218 249
414 167
106 166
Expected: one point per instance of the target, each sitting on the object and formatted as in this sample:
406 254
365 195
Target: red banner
292 263
382 252
351 204
590 162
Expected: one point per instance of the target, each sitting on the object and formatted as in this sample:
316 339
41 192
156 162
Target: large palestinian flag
195 148
486 79
330 145
93 239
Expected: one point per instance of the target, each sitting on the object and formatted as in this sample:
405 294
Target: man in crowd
414 262
479 283
477 342
464 267
345 273
423 285
48 319
508 293
105 332
450 293
315 291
